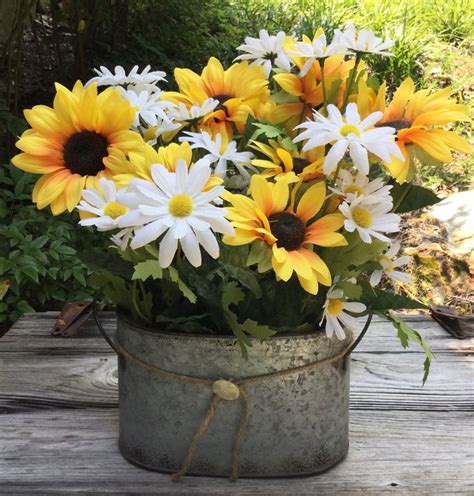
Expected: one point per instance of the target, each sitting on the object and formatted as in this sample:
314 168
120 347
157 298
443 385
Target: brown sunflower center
83 153
397 124
299 164
287 229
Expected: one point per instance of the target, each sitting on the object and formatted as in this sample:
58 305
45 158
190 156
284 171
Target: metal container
299 422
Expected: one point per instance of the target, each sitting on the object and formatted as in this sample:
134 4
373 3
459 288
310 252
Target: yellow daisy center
349 129
362 217
353 188
335 307
114 209
180 205
389 262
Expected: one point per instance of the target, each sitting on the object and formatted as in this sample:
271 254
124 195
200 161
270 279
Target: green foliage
408 197
407 334
351 260
232 295
36 254
379 300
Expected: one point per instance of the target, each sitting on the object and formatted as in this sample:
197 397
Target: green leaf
267 130
345 260
407 334
408 197
233 295
149 268
257 252
187 292
351 290
378 300
245 277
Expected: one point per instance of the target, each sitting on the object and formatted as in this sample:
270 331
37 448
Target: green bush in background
38 252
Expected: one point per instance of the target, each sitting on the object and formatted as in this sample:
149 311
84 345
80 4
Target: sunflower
415 115
286 233
307 91
72 144
289 165
240 91
138 164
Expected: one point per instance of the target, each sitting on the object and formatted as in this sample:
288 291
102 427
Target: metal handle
101 327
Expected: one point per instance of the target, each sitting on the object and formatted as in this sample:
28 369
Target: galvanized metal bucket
299 422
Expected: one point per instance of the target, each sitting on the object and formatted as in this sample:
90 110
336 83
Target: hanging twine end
177 477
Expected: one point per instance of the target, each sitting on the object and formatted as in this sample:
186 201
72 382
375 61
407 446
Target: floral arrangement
253 200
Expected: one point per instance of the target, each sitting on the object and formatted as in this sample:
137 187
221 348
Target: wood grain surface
59 420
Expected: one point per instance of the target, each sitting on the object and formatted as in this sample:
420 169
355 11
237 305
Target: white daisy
318 49
370 218
335 315
149 106
389 263
265 50
219 152
108 205
364 41
176 205
350 187
349 133
182 113
119 77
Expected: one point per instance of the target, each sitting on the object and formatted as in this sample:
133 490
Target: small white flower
389 263
318 49
149 106
107 205
182 113
176 205
335 315
119 77
370 218
351 187
122 238
364 41
219 152
152 134
265 50
349 133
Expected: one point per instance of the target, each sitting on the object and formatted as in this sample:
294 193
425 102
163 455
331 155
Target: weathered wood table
58 420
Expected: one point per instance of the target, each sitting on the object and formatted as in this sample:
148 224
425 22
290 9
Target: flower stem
352 76
336 174
323 82
361 335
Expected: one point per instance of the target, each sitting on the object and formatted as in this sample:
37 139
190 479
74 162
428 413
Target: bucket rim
318 333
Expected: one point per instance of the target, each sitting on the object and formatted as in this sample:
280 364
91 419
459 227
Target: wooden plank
379 382
32 334
51 452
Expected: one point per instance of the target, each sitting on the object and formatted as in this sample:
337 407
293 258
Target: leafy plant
37 257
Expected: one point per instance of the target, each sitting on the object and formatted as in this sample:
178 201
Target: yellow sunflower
308 91
240 90
287 231
289 165
72 143
138 165
415 115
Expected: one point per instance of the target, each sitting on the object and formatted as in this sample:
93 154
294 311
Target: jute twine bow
218 396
